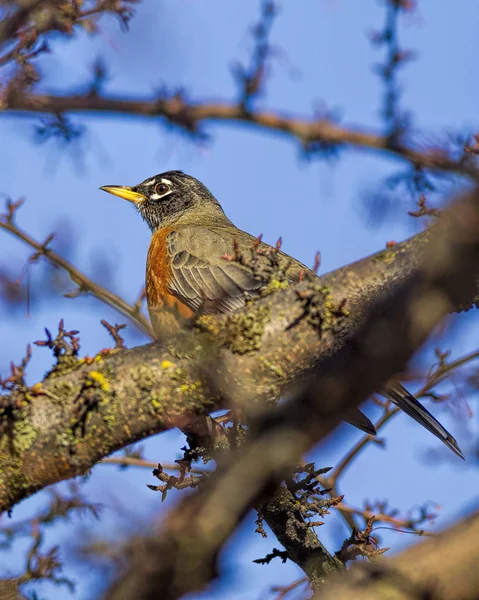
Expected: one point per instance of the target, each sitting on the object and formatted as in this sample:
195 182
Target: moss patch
240 332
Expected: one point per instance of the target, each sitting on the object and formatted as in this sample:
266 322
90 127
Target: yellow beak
125 192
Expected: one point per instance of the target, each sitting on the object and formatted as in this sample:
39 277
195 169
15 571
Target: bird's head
163 199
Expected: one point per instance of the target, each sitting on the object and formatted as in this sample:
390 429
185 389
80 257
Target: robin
186 269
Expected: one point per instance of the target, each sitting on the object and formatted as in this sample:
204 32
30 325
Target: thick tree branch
181 556
191 116
442 568
78 415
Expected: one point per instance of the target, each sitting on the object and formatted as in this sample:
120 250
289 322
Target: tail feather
408 403
360 420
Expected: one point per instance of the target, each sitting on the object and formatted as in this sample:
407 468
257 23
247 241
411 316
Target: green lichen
274 285
24 435
386 256
144 377
61 391
320 310
276 369
239 332
109 417
66 364
178 374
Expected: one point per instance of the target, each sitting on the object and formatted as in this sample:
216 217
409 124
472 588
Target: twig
85 285
284 590
433 379
368 514
114 331
129 461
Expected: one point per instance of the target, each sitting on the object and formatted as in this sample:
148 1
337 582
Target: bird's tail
408 403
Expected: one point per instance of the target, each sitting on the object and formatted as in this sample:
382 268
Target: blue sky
324 58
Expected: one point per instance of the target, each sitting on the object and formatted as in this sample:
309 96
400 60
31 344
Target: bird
187 270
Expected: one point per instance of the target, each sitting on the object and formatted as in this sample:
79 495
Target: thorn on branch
42 250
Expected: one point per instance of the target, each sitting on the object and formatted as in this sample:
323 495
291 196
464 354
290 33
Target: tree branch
13 22
441 568
190 116
77 415
85 285
181 556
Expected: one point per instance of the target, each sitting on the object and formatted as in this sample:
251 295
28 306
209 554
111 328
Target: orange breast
166 311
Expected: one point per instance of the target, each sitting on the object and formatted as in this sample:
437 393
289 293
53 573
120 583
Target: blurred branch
85 285
396 123
443 370
442 568
13 22
41 566
190 116
60 506
252 79
434 378
126 395
27 24
181 555
130 461
399 523
282 591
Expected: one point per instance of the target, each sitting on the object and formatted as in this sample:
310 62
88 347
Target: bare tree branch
85 285
191 116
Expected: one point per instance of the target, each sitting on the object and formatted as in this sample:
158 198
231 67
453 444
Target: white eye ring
162 188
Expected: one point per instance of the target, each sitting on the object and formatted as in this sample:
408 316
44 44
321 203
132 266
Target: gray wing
201 277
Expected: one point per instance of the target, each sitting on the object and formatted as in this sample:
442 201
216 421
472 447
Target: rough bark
87 410
442 568
199 526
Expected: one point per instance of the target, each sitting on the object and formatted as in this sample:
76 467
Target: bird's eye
162 188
